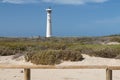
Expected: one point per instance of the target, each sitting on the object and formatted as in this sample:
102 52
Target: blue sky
69 17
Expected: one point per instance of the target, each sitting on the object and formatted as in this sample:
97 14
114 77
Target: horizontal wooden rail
59 67
27 72
114 67
53 67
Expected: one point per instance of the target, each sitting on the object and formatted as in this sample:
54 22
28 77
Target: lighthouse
49 23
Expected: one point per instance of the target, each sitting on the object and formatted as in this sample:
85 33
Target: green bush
106 53
52 45
51 57
115 39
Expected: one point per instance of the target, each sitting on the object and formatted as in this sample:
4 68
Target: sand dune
52 74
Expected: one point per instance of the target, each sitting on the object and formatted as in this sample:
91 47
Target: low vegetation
50 51
50 57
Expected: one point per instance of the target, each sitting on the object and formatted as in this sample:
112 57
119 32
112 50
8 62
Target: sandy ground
62 74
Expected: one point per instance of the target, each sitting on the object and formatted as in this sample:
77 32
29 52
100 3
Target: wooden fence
27 72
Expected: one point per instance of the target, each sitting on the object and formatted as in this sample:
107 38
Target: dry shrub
6 51
67 55
51 57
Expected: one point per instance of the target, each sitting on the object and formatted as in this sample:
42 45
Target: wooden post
108 74
26 74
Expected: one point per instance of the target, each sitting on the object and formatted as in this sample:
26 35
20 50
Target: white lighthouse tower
49 23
